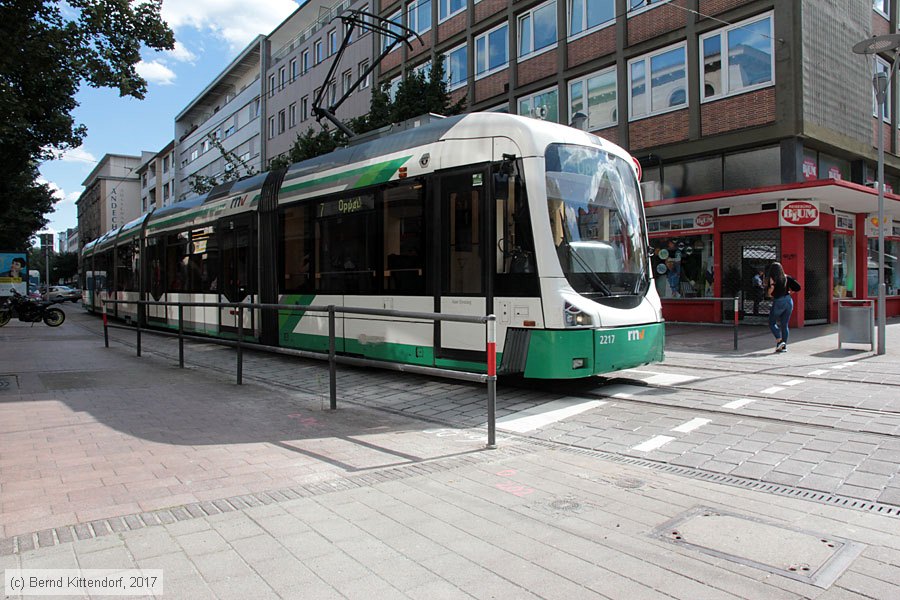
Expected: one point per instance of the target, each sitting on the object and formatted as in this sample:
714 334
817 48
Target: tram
535 222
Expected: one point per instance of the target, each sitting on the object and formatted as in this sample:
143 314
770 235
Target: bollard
332 365
736 311
492 381
240 348
180 335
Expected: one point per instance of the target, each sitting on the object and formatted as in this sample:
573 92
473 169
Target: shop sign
844 220
799 213
810 170
872 226
703 220
834 173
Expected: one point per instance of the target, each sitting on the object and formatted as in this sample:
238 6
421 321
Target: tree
235 168
416 96
48 49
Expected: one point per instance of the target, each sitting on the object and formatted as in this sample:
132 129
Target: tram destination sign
346 206
798 213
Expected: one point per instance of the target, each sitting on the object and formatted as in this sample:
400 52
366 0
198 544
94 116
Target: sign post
47 245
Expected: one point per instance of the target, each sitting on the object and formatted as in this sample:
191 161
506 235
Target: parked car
61 293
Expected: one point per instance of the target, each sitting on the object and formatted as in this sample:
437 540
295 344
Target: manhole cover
629 483
565 505
806 556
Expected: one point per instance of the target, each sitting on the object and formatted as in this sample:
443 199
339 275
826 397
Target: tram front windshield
595 218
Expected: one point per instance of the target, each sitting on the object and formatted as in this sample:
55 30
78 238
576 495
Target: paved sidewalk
111 461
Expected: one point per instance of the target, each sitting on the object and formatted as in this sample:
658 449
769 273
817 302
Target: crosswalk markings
772 390
656 378
545 414
818 372
691 425
793 382
738 403
653 443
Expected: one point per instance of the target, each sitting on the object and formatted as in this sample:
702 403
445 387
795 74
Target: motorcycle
29 310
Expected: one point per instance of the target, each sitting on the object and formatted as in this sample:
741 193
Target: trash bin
856 322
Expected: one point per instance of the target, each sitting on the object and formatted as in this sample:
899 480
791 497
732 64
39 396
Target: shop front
823 232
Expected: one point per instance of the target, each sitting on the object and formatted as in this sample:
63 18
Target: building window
419 16
165 192
144 180
667 81
304 62
423 70
543 105
537 29
254 109
640 5
281 121
271 127
165 164
304 108
882 66
387 40
195 153
449 8
596 97
229 130
363 75
393 87
686 274
491 51
292 115
317 50
882 6
294 72
332 42
271 85
585 15
346 81
205 146
748 60
843 264
282 77
332 92
456 68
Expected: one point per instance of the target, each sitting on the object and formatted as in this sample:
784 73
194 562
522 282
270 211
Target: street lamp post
880 81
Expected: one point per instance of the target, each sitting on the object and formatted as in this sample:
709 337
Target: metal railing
490 322
737 308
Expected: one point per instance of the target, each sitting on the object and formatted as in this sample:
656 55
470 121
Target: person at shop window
758 290
673 277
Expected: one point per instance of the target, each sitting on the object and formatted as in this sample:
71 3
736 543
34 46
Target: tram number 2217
609 338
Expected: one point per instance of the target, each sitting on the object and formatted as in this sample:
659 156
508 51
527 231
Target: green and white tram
538 223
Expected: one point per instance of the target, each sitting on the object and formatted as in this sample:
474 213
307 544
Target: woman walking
779 289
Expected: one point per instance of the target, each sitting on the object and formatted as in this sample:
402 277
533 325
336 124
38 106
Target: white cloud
155 72
59 193
235 21
181 53
79 155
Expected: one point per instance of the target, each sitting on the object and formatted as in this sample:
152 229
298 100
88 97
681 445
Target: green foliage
63 266
236 168
47 51
416 96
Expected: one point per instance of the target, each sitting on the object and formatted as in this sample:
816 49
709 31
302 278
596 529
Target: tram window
345 245
108 261
465 247
295 250
202 260
176 262
404 244
156 266
239 278
125 267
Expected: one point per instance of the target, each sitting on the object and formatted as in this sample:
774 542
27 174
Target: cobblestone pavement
112 461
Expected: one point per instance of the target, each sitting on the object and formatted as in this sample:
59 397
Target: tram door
237 275
463 255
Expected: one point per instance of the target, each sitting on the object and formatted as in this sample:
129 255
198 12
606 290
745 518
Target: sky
208 35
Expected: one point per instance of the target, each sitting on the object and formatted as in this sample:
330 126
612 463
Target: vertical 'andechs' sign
798 213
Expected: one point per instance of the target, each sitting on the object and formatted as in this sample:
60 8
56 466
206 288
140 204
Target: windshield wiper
595 280
639 284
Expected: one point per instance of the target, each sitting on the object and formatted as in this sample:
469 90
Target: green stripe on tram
361 177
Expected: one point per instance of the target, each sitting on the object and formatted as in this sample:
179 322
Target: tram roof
838 194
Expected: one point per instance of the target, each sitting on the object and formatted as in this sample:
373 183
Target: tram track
575 389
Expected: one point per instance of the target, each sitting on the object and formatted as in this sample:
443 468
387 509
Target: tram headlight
575 317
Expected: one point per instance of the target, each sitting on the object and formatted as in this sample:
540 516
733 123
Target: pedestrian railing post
180 335
736 311
138 327
492 381
332 363
105 327
240 348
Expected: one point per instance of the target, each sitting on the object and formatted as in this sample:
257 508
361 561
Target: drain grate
741 482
